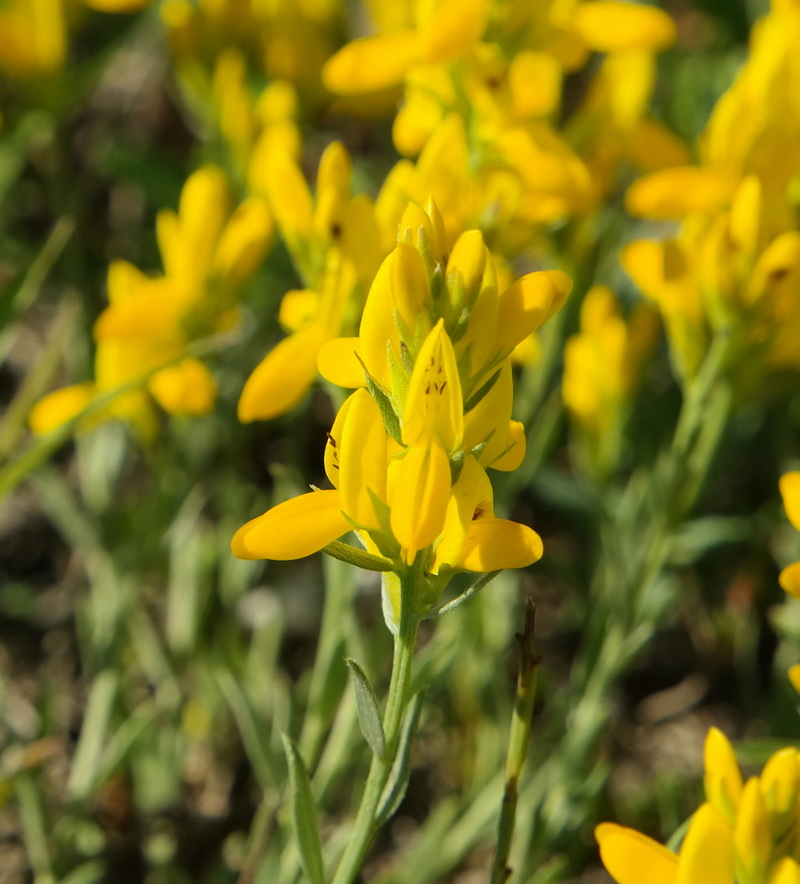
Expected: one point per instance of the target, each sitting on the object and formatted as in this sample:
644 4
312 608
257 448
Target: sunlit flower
209 249
745 832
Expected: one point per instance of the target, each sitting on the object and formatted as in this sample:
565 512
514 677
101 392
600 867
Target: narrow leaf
369 716
470 591
83 775
304 815
396 785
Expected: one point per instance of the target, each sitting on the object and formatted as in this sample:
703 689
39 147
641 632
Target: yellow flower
209 249
744 833
406 452
706 855
336 247
602 368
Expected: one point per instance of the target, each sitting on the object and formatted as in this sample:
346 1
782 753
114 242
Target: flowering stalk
366 822
518 738
407 456
629 602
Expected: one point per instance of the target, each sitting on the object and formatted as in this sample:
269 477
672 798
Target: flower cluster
482 91
336 245
408 450
734 265
34 34
209 249
745 832
602 368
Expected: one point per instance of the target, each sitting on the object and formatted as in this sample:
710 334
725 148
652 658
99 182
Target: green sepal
369 715
304 815
381 397
476 397
358 557
456 465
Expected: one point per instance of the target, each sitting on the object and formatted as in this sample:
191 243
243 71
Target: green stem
397 701
517 745
628 601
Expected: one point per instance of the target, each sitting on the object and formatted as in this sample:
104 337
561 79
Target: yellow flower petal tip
789 484
496 544
282 378
55 409
625 852
293 529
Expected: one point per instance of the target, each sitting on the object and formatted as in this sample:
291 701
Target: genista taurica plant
359 359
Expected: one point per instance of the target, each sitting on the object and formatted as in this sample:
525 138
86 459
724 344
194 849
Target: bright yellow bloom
406 453
743 833
602 368
334 242
209 249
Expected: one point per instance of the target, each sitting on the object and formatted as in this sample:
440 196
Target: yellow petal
515 445
362 457
528 303
124 281
293 529
651 146
751 834
671 194
787 871
495 544
723 779
378 332
282 378
298 308
616 26
410 288
780 782
244 242
470 498
707 855
453 29
789 579
117 5
372 63
59 407
280 179
419 497
794 676
338 363
535 80
155 313
434 407
626 853
184 389
789 485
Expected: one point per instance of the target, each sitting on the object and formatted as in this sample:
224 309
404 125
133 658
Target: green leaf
251 729
304 815
396 785
369 716
83 776
470 591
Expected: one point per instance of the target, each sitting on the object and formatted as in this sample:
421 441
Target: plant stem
517 744
397 701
